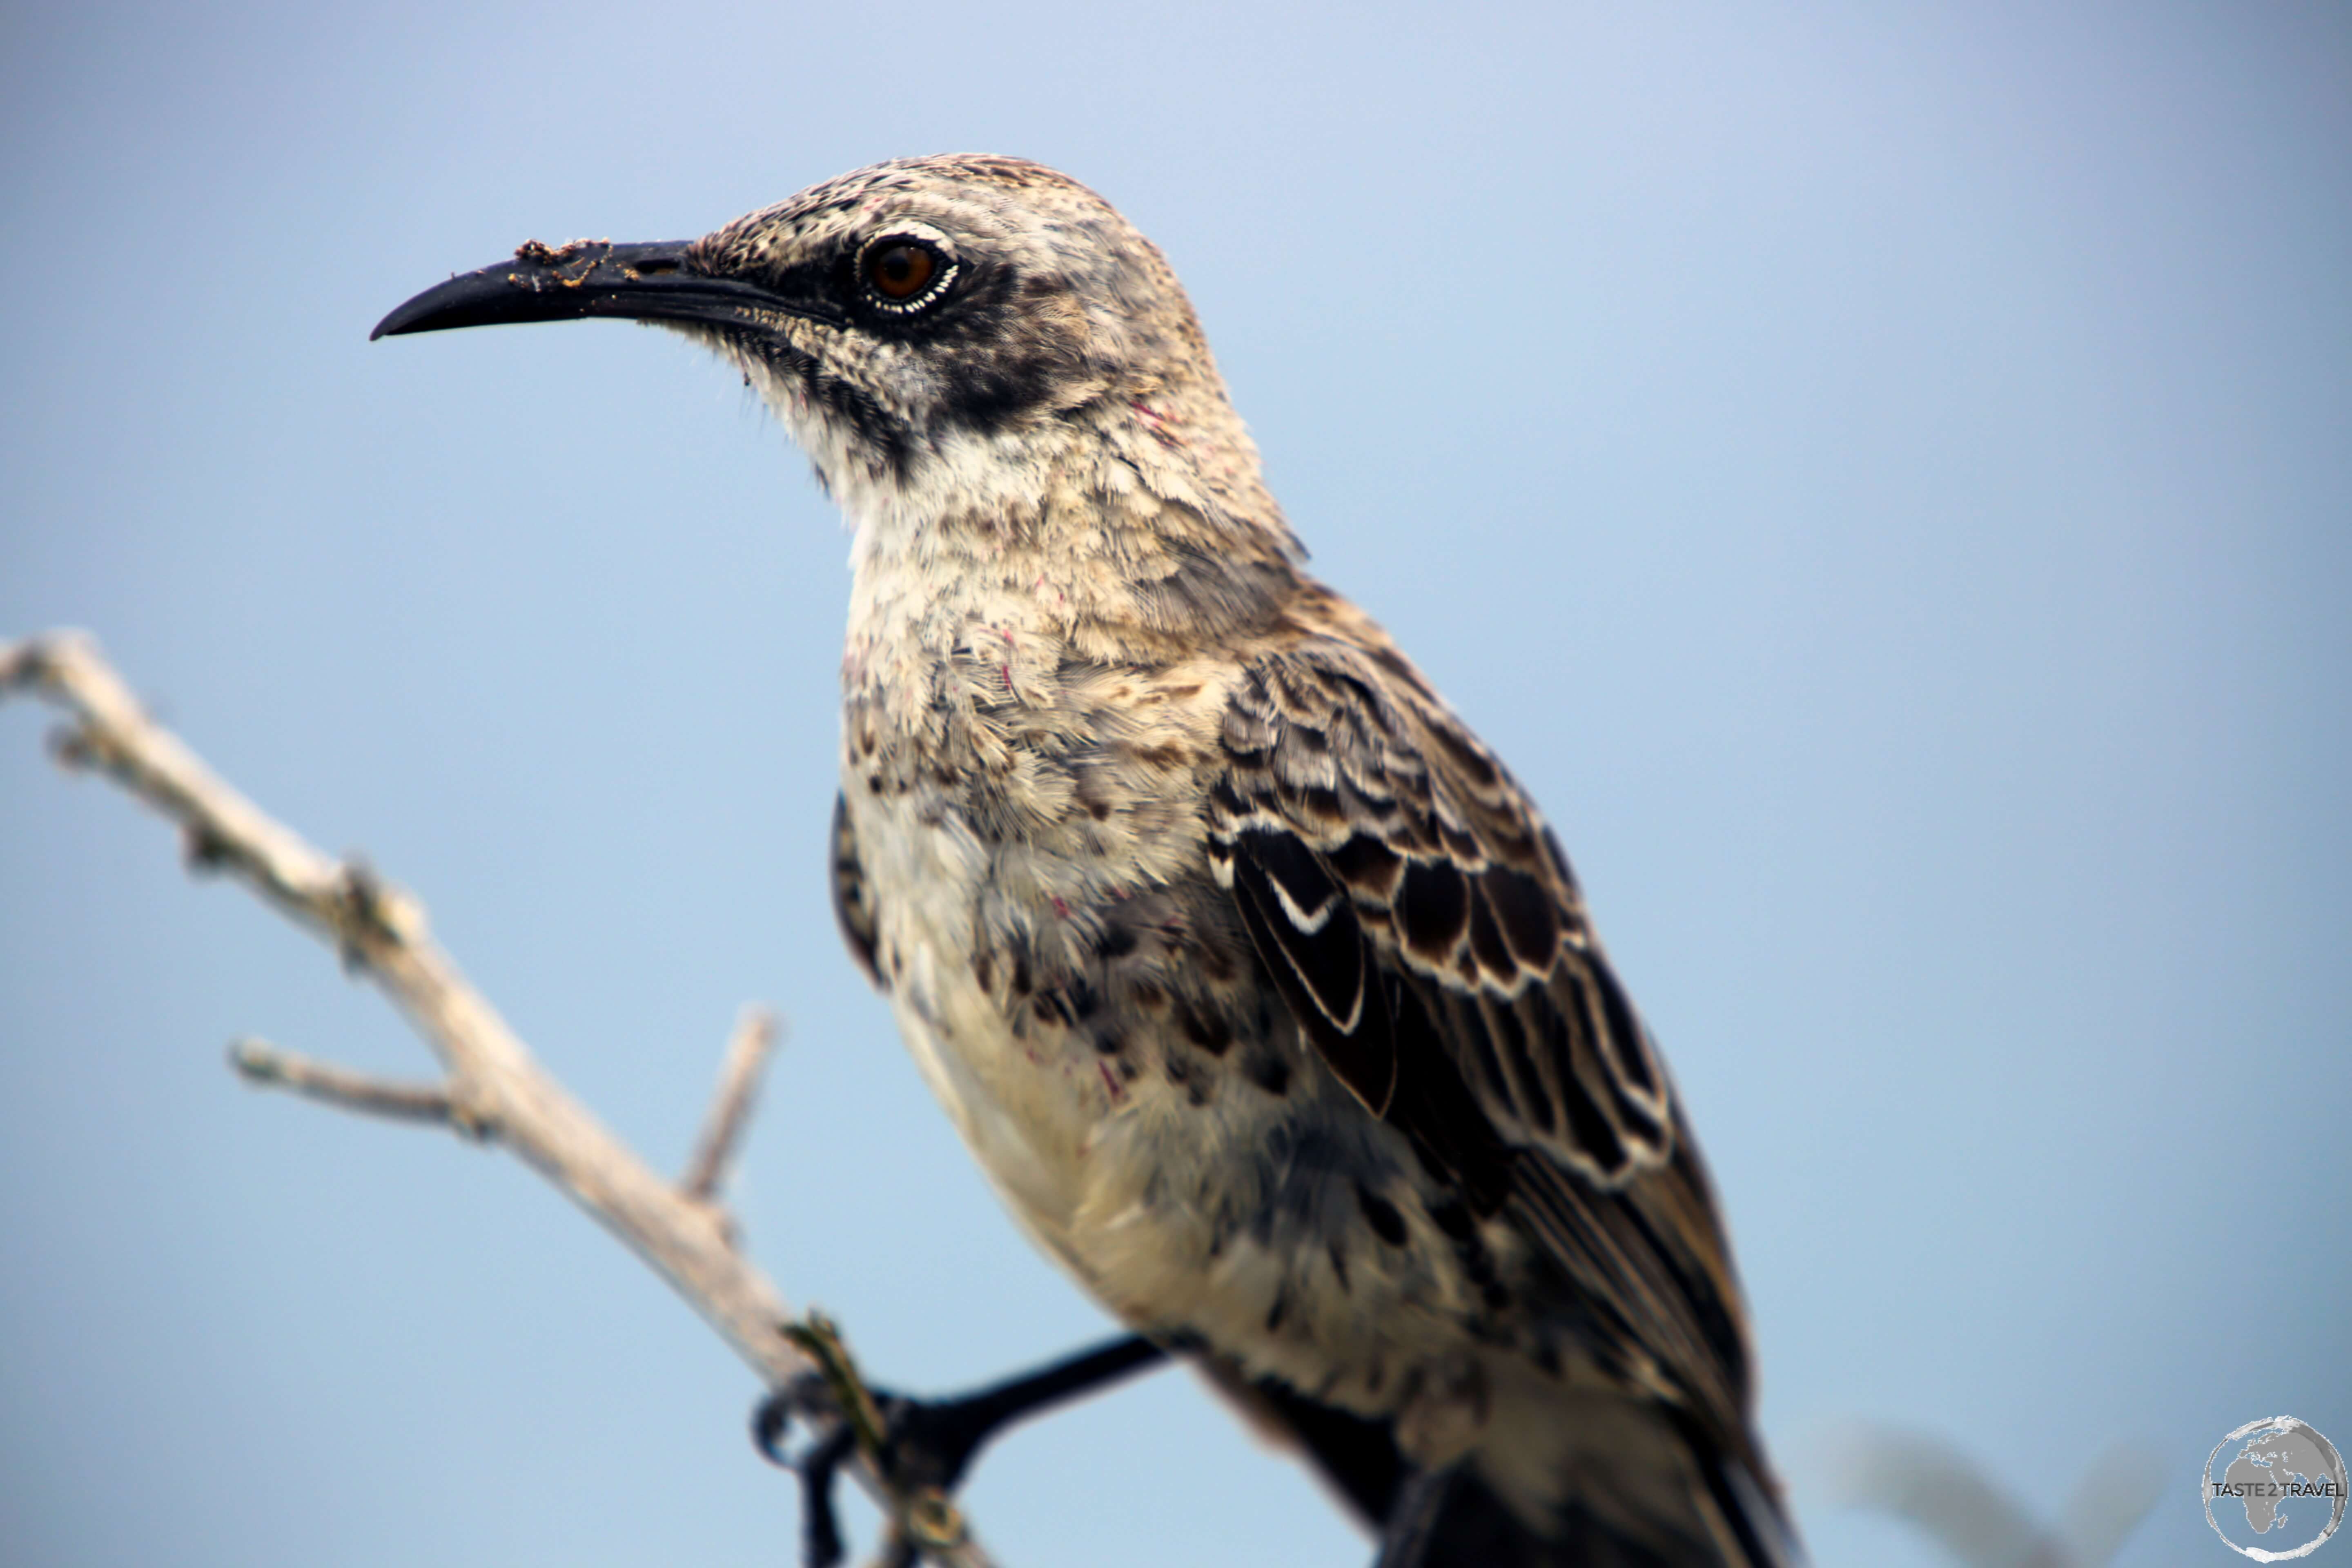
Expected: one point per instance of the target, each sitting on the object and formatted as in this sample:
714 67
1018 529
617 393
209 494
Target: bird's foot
919 1448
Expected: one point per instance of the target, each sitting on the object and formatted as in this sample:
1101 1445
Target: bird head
935 333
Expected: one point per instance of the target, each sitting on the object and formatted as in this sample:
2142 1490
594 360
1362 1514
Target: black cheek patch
987 396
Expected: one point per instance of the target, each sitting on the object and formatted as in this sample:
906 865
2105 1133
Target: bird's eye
900 271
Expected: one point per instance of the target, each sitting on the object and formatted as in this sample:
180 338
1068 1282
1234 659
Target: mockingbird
1255 981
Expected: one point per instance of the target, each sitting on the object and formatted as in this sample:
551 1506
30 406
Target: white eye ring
930 264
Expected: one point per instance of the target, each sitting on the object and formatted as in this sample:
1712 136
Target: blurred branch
748 1049
263 1064
1953 1500
494 1089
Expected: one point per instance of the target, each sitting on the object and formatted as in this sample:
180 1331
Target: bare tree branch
1958 1503
748 1049
265 1065
494 1087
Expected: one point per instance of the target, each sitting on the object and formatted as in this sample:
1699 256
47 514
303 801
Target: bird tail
1717 1506
1454 1517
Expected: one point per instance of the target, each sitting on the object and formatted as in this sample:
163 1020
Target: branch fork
492 1088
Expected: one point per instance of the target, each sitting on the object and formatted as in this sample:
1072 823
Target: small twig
494 1082
748 1050
263 1066
223 830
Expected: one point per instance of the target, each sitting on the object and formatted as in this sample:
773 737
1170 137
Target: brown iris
900 272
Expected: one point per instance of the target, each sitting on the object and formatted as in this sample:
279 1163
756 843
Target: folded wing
1428 934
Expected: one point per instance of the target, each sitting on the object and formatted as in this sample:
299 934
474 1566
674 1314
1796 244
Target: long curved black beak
594 278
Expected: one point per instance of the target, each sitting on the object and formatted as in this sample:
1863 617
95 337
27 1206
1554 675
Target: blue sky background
1883 475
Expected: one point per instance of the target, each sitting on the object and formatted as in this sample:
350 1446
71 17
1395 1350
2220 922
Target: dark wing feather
1427 932
1318 956
852 904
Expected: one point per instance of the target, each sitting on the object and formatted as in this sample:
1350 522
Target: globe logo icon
2274 1490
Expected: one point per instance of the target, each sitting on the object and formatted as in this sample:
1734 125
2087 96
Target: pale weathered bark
493 1089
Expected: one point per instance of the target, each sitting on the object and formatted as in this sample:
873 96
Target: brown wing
1427 932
